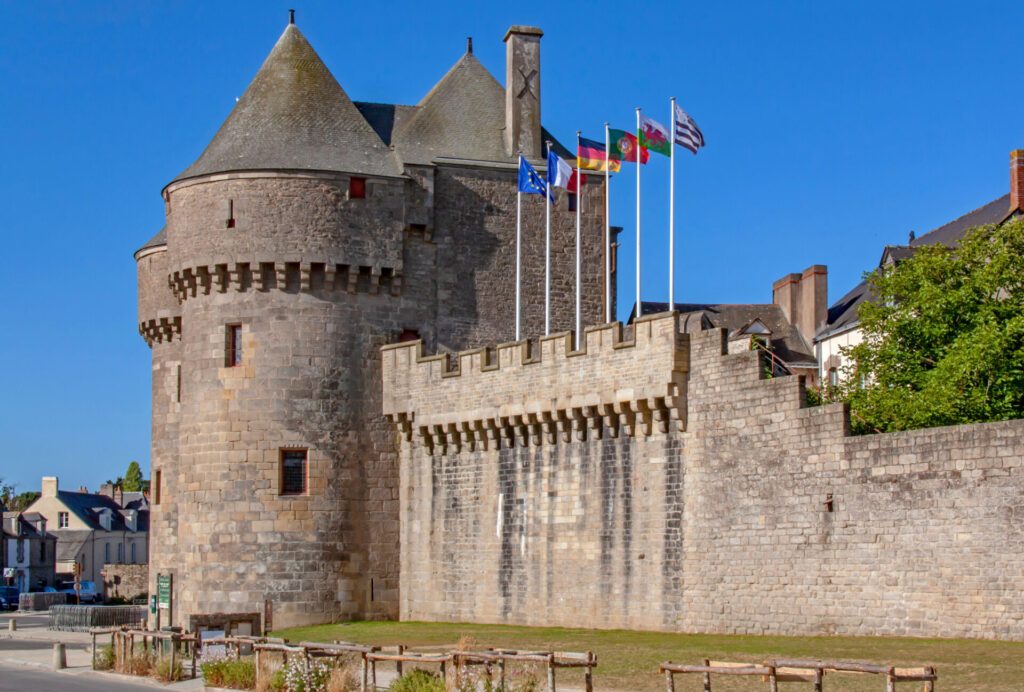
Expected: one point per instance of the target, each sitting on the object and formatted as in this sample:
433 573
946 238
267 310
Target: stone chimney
50 486
804 299
1017 180
522 91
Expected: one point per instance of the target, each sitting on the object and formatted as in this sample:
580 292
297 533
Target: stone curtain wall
762 516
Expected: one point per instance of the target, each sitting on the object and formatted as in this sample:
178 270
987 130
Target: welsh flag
655 136
624 147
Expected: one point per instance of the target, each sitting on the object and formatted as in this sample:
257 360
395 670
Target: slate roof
69 543
295 116
86 506
843 315
996 211
462 117
156 241
21 524
786 341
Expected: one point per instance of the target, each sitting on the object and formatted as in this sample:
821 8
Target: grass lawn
628 660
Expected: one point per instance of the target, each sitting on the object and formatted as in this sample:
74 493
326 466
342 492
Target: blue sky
832 128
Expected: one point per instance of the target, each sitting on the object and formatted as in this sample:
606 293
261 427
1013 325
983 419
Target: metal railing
70 618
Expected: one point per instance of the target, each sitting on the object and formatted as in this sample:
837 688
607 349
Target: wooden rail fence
810 671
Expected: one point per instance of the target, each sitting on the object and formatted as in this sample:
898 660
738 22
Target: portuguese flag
624 146
591 156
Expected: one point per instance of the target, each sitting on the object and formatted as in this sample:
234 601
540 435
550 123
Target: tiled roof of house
843 314
786 341
87 506
69 543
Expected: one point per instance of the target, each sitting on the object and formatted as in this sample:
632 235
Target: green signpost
164 594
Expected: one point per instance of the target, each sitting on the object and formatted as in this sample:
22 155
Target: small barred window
294 471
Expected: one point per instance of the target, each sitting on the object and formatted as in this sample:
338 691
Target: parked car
87 591
9 597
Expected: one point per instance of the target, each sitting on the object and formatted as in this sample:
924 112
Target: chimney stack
522 91
1017 180
804 299
50 486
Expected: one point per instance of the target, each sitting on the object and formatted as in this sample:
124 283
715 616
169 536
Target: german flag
591 156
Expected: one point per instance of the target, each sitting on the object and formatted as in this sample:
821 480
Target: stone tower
310 232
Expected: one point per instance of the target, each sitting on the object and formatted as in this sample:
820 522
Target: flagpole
639 309
579 205
519 232
547 250
672 209
607 229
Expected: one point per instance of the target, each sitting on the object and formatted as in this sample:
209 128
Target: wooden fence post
670 682
929 686
363 673
773 681
551 673
707 676
398 664
817 679
890 680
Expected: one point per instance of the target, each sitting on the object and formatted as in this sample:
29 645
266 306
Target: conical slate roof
463 116
295 115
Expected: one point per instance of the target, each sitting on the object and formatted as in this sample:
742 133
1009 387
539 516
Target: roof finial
291 16
469 45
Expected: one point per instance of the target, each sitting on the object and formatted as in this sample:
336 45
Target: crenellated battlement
525 392
296 276
160 329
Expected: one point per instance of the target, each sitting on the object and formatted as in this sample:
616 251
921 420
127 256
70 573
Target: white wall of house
829 352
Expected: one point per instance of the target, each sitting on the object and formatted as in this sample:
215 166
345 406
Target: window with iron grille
294 471
233 350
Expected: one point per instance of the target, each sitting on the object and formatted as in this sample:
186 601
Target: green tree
133 481
21 501
943 336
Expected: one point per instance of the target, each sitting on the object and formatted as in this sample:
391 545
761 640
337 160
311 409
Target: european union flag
530 181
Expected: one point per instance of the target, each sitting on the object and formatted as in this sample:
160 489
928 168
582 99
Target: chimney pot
291 16
804 299
1017 180
469 45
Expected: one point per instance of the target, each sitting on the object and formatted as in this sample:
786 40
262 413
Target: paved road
19 679
25 621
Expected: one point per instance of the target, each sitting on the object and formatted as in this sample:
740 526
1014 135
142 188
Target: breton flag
687 133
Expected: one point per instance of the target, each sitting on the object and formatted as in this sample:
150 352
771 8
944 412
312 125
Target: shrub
295 676
418 681
164 672
141 664
104 658
344 678
233 673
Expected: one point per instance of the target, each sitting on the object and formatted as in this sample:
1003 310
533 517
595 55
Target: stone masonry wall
475 219
125 580
761 516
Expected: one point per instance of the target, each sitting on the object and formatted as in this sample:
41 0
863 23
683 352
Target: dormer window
356 188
